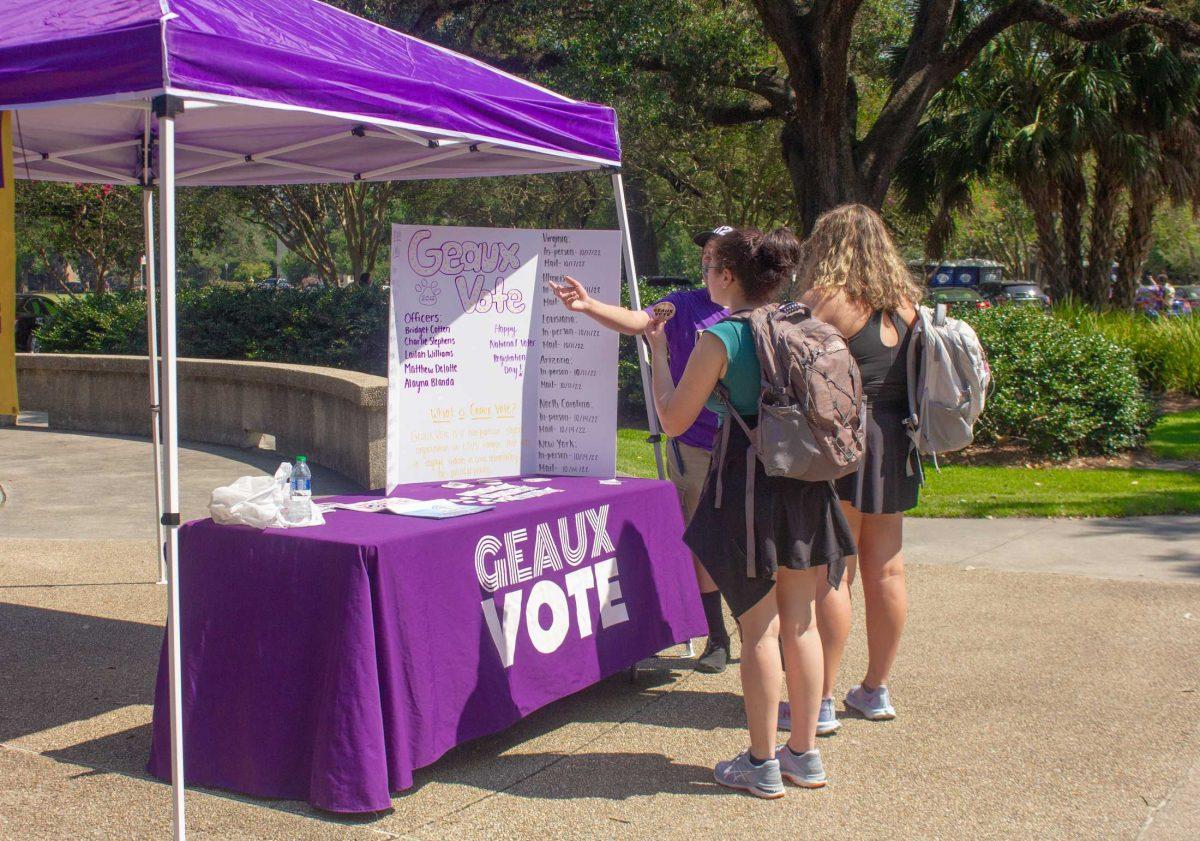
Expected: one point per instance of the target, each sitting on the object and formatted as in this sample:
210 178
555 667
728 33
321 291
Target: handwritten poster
488 374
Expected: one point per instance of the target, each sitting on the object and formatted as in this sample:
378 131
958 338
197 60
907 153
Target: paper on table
434 509
368 505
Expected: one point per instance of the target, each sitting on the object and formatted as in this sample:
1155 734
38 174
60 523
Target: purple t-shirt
694 312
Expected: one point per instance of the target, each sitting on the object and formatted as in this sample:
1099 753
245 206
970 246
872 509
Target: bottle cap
301 458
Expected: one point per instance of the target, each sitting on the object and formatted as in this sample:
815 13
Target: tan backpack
810 424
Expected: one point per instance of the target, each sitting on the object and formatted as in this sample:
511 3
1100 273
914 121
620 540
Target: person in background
801 537
689 452
1166 293
853 277
364 279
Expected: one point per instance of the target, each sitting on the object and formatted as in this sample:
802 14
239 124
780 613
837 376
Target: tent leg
170 428
635 301
152 359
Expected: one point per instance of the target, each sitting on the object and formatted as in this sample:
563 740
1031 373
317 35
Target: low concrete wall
337 418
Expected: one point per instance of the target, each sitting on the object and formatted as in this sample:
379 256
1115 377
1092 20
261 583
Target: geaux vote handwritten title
581 544
470 263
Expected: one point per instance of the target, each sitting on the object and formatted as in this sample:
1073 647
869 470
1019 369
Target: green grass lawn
1177 436
634 456
961 491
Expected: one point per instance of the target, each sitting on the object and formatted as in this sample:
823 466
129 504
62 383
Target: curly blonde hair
850 250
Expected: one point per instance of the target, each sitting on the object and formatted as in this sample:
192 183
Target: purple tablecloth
326 663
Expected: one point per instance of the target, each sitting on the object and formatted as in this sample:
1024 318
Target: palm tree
1002 118
1050 115
1163 108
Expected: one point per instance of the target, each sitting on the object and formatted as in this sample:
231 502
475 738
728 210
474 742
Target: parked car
1021 292
273 283
1188 298
33 308
956 297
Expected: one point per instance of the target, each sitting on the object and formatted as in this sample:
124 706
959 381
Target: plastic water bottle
300 502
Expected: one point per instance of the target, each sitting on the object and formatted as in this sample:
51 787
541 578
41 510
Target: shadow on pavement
1182 533
63 668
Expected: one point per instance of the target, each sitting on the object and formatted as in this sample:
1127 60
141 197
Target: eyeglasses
704 267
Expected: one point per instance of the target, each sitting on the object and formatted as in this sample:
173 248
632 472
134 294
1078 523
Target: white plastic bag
258 501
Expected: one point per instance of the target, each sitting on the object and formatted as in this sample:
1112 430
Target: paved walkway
1059 705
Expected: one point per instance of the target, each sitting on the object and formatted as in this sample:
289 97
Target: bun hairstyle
762 263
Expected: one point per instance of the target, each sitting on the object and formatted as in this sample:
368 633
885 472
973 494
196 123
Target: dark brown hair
762 263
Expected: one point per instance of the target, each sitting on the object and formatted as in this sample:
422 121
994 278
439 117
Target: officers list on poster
489 375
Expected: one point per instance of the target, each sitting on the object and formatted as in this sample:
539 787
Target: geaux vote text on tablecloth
580 543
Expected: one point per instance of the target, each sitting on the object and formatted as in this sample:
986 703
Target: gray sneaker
827 720
760 780
785 715
804 770
874 706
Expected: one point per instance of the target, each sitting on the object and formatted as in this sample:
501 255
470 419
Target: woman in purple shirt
689 453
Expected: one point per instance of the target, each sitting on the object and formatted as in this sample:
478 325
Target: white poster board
488 374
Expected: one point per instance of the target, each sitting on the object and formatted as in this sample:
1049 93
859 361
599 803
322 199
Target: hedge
1063 390
340 328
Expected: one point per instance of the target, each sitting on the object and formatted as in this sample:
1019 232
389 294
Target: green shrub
1063 390
1166 350
340 328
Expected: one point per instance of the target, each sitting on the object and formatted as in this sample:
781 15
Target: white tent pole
166 107
152 358
635 300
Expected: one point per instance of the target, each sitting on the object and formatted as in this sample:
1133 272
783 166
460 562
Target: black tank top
884 369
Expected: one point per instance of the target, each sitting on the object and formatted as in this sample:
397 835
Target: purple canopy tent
173 93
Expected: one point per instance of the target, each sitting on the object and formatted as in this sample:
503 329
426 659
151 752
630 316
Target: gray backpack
810 424
948 380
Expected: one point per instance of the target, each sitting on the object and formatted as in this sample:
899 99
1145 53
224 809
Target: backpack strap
722 393
723 435
751 463
916 393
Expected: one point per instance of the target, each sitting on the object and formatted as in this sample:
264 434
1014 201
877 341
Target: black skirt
797 525
888 479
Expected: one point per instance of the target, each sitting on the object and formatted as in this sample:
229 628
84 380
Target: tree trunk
642 232
1139 236
1042 200
1074 197
1102 240
822 175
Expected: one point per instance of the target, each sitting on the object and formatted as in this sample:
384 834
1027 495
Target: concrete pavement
1058 705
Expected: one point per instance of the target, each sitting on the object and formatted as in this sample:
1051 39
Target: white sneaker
804 770
760 780
827 720
874 706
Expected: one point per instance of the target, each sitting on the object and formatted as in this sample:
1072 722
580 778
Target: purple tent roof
307 91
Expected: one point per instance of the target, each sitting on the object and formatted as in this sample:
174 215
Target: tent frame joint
167 105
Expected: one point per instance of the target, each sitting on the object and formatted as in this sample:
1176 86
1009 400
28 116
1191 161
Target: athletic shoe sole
757 792
871 716
828 729
801 782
